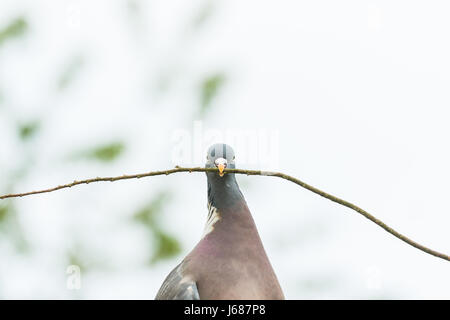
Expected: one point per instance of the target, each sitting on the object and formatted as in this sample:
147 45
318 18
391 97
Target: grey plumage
175 287
229 262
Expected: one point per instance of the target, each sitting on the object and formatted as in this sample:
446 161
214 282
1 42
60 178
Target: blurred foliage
105 153
28 129
148 214
4 210
15 29
108 152
209 89
10 226
204 14
75 256
70 72
166 246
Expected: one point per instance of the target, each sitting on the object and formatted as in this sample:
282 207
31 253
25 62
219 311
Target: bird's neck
227 209
223 192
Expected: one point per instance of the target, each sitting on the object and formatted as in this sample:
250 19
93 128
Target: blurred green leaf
27 130
76 257
108 152
166 246
203 15
10 226
73 258
209 89
148 214
70 72
105 153
4 211
15 29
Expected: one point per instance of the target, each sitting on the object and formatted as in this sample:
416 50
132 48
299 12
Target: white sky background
357 92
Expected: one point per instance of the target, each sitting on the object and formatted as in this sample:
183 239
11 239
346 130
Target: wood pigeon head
219 156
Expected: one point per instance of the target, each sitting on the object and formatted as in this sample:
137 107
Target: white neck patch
213 217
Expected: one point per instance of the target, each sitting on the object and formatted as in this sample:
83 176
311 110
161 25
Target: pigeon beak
221 163
221 167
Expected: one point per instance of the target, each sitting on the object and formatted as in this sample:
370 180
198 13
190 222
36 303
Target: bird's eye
234 157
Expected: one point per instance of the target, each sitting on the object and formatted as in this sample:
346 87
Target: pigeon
229 262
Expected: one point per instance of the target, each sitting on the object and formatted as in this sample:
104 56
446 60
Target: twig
250 173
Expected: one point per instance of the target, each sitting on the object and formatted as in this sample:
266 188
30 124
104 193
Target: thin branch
249 173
